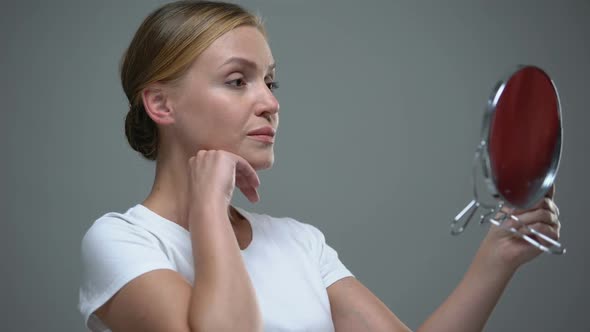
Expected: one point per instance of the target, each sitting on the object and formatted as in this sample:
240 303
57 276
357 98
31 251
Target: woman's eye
272 85
238 83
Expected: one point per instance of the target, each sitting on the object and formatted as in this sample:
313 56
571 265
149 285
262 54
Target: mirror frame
489 113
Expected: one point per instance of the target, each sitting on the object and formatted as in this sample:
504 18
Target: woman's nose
267 102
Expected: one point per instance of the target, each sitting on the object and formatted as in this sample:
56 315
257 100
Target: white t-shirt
288 261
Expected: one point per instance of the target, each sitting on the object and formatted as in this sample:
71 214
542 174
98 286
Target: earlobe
156 105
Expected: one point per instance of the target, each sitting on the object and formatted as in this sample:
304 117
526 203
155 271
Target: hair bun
141 132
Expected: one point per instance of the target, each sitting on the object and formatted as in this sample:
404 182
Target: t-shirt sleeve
331 268
113 253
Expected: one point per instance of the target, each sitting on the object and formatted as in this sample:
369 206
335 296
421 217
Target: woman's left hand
506 250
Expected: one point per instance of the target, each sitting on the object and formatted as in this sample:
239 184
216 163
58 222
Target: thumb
551 192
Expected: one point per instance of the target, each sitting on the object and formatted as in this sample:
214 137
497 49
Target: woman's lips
264 134
263 138
267 130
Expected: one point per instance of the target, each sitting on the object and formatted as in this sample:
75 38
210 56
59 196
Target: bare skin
205 154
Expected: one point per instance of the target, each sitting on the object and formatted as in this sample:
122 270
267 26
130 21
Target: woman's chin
261 163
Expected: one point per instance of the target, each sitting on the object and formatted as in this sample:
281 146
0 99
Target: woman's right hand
215 173
162 299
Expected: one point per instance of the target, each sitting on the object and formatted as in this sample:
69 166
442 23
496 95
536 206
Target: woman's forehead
242 46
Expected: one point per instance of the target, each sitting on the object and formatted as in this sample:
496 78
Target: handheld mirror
517 158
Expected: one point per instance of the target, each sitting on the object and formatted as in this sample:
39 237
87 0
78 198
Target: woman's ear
157 104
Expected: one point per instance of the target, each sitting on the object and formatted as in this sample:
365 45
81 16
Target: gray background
381 107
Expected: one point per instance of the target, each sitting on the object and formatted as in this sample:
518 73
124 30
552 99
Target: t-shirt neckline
145 210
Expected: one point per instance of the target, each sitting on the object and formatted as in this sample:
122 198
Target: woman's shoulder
136 220
114 250
112 222
115 244
116 227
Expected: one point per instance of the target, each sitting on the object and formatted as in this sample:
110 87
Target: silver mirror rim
487 121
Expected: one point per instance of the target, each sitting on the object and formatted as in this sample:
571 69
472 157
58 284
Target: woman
199 77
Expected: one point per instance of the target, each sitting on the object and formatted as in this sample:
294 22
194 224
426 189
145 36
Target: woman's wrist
203 211
490 263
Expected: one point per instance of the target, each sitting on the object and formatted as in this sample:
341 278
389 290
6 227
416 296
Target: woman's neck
169 195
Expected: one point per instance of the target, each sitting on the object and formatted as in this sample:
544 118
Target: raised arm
223 298
499 256
468 307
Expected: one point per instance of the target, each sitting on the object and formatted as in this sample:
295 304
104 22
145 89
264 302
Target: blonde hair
162 50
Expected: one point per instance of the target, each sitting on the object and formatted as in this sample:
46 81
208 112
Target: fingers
544 229
250 193
551 192
554 208
542 221
222 170
246 179
546 203
546 213
246 172
544 216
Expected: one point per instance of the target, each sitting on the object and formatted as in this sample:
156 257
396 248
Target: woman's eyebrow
246 63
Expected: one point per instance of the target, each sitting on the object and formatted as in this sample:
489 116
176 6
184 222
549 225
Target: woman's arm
223 297
355 308
470 305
